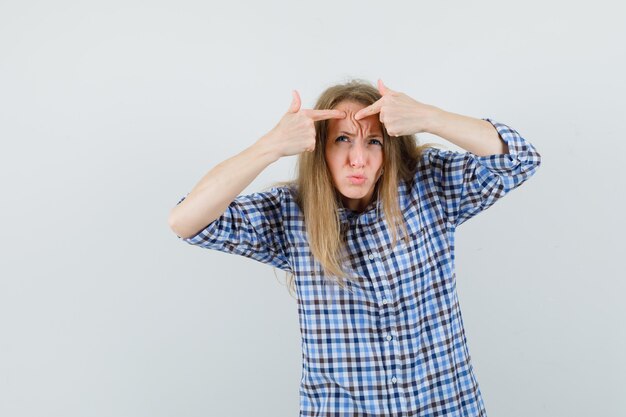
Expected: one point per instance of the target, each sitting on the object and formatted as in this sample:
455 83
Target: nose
357 155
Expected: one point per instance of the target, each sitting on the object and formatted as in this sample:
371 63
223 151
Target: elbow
536 158
181 231
173 224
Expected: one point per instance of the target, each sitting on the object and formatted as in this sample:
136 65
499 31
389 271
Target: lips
357 179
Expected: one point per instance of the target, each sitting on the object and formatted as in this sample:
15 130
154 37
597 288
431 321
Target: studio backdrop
110 112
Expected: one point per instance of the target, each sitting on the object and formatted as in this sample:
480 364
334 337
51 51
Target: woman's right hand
295 132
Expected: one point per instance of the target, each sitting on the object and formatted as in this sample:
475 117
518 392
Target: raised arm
497 158
211 196
402 115
219 187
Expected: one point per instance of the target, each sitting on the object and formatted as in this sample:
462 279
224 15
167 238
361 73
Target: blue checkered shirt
395 344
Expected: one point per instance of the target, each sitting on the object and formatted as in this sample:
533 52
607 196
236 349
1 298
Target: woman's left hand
400 114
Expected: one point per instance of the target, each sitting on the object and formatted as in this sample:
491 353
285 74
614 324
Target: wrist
264 148
436 120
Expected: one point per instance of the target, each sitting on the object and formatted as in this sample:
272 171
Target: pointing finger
324 114
369 110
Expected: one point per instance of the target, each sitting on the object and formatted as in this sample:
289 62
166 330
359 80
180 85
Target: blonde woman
366 235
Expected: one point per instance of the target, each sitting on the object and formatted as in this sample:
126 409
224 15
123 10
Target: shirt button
385 301
394 380
371 257
389 337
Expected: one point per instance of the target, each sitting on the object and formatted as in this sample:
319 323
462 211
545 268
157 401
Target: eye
345 137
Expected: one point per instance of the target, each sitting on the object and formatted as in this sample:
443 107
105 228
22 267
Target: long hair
317 197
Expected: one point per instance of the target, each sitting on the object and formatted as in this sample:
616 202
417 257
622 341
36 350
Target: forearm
218 188
474 135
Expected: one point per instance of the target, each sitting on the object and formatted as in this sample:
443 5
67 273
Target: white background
111 111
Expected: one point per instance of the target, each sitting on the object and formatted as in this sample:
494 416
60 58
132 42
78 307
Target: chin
354 197
352 193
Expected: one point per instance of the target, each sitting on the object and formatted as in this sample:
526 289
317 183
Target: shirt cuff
521 151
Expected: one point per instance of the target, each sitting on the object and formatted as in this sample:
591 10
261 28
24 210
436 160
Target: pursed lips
357 179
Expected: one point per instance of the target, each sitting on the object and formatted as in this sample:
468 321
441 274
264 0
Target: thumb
382 88
295 102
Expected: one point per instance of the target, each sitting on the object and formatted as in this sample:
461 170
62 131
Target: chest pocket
415 254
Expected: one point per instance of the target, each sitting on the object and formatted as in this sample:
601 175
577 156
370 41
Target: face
354 147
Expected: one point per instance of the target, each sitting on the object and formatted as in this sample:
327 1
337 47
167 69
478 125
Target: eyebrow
370 136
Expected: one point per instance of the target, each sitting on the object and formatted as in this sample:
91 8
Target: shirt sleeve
252 226
468 184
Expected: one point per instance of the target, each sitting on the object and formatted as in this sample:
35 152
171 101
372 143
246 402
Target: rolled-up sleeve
468 184
251 226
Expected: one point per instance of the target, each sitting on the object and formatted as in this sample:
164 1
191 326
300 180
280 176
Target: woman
366 232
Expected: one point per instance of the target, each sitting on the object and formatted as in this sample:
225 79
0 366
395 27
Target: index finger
324 114
369 110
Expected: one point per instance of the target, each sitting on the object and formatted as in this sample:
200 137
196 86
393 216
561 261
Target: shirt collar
372 213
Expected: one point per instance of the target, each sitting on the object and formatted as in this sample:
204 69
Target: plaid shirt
395 345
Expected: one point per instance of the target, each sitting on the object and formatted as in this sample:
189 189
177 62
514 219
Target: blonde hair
317 197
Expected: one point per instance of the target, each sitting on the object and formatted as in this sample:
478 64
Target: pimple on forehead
352 125
367 126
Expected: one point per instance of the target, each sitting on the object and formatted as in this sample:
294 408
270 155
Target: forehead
349 123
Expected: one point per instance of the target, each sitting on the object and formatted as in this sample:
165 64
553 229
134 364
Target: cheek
377 158
332 166
332 157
